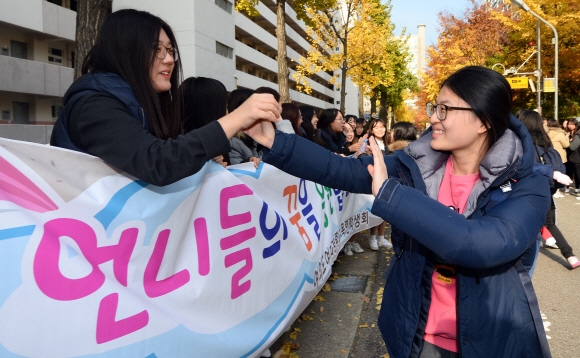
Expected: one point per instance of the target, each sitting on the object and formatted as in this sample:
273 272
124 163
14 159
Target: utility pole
522 5
539 67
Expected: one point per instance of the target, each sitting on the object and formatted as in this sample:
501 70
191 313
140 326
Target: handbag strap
534 308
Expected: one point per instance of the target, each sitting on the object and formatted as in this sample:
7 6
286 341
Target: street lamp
523 6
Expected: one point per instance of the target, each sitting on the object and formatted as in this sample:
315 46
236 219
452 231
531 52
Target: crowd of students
466 200
549 137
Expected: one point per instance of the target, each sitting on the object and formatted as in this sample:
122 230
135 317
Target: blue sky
410 13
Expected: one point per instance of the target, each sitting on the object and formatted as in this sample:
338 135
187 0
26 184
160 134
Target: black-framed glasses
161 52
441 110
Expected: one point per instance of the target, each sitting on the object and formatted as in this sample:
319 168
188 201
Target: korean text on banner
94 262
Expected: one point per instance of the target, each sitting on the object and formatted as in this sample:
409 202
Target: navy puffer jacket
93 83
497 310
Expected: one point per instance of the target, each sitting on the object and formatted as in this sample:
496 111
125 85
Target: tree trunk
282 55
374 102
90 16
361 103
343 85
383 110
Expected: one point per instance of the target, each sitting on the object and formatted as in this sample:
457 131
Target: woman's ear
482 128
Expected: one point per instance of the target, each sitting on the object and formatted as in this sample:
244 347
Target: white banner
94 262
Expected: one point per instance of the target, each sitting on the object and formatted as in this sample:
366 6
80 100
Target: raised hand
379 170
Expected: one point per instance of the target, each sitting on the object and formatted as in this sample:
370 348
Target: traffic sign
518 82
549 85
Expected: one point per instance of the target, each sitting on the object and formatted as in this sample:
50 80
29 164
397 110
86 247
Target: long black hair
291 112
237 97
576 128
535 125
308 113
325 120
125 46
488 93
204 101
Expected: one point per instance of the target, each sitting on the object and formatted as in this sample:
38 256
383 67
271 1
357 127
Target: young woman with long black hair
574 155
309 122
124 109
329 133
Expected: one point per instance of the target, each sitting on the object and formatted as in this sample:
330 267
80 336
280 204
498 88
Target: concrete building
37 55
418 52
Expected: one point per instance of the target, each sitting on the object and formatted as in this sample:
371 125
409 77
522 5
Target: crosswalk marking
546 324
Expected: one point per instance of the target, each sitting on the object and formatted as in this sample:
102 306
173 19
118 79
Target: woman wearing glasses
465 209
124 109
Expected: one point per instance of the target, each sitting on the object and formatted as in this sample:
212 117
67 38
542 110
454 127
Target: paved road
558 288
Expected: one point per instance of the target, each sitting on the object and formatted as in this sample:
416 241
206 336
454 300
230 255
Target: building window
56 2
6 115
19 49
54 55
73 5
4 51
55 110
224 50
21 112
225 5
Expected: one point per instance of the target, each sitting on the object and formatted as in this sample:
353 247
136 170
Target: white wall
351 105
23 13
58 21
24 76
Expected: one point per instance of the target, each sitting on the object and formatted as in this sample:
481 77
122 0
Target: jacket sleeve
563 140
497 237
235 153
102 125
304 159
575 143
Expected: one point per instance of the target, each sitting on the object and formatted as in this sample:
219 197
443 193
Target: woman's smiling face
461 131
378 130
349 133
161 70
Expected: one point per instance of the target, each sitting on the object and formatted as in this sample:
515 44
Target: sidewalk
342 320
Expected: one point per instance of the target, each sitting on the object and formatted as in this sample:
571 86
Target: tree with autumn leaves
472 40
564 15
355 39
300 6
485 36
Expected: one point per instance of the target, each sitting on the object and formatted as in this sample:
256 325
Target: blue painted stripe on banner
271 331
117 202
255 174
17 232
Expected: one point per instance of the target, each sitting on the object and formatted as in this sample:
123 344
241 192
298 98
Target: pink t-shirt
441 329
